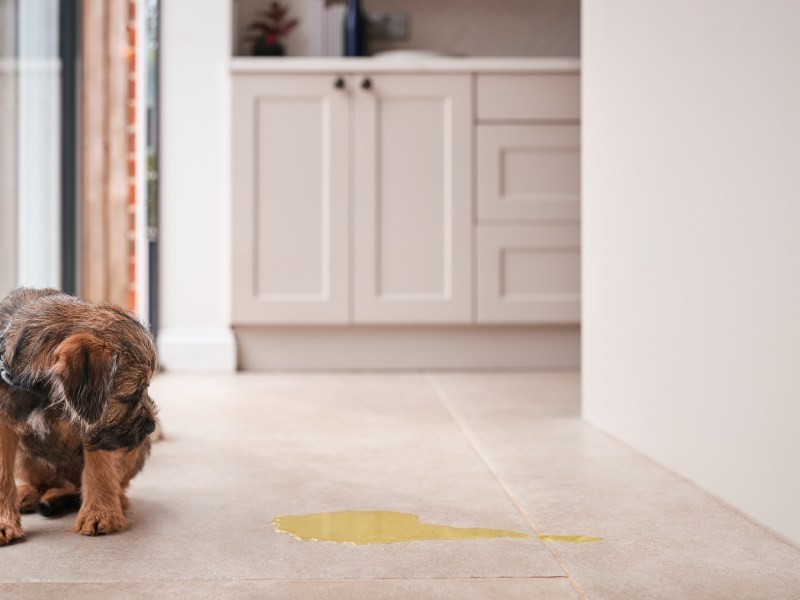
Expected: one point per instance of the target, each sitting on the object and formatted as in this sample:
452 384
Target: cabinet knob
366 84
339 83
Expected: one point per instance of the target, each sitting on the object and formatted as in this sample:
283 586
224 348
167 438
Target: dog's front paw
10 532
92 522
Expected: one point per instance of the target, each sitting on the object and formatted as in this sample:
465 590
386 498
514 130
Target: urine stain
572 539
386 527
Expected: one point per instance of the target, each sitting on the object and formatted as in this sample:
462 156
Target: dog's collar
11 381
7 377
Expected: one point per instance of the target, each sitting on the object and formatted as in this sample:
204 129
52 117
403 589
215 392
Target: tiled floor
504 451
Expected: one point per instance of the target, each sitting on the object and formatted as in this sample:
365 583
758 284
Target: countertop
403 65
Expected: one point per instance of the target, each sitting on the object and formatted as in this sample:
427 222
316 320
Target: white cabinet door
412 198
528 172
291 169
529 274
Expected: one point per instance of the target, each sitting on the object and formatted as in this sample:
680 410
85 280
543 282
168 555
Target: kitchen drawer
528 172
528 97
528 274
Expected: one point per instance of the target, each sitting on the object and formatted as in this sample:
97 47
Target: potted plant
269 31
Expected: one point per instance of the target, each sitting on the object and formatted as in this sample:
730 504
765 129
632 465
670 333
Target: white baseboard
408 347
206 350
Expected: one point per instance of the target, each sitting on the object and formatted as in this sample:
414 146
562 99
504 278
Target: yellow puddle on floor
573 539
387 527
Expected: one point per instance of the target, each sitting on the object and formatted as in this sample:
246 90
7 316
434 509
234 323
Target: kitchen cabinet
528 172
528 199
412 199
528 273
352 199
442 195
291 200
528 96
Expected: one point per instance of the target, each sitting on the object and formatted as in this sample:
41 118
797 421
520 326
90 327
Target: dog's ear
85 367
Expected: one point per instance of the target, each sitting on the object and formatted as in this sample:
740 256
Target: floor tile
241 450
496 450
385 589
662 536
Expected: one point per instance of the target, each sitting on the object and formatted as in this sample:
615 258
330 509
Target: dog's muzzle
122 439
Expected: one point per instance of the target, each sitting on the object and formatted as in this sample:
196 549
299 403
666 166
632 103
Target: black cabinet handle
366 84
339 83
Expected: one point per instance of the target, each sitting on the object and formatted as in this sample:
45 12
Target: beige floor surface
496 450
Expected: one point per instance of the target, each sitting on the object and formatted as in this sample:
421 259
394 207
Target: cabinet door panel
290 182
528 274
412 199
528 172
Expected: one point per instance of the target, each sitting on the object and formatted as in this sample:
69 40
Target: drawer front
528 172
528 274
528 97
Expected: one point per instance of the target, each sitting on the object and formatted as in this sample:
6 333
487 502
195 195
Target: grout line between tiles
277 580
442 397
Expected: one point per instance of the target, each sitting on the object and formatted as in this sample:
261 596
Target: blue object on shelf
354 29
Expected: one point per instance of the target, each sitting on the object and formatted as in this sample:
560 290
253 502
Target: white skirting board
408 347
197 350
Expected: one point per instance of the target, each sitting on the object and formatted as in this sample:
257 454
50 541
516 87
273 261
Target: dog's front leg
10 525
101 507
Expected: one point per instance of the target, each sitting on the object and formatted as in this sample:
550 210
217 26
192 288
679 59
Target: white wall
692 241
195 192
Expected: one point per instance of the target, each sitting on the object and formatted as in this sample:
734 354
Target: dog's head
101 375
93 361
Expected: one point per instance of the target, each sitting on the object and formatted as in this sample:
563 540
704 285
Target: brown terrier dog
74 409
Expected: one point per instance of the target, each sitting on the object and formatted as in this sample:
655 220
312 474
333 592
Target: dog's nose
150 427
